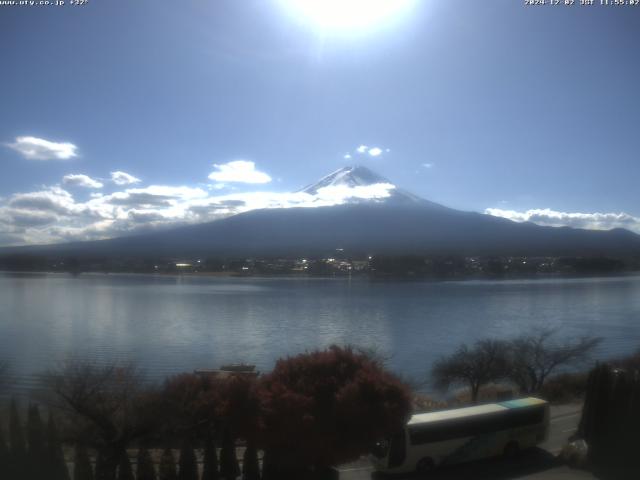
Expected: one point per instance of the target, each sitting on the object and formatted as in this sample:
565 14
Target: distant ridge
399 223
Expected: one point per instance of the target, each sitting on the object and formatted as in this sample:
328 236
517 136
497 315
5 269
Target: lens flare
348 15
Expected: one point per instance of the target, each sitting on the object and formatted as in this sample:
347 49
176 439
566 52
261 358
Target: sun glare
347 15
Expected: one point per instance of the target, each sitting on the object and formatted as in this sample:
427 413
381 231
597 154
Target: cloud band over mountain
55 214
553 218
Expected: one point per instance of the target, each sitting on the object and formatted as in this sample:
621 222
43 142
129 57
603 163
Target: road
538 464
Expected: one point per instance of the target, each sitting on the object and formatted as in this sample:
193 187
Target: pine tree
124 468
167 466
229 468
269 468
82 465
145 470
18 451
55 455
100 470
210 462
250 463
188 463
4 456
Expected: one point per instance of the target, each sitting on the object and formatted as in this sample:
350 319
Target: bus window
473 426
525 416
398 450
441 431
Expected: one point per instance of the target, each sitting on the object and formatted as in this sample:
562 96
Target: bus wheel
511 450
425 465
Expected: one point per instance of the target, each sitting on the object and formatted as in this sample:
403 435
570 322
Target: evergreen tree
210 462
55 455
167 466
4 456
100 468
37 455
229 468
250 463
188 463
145 471
269 468
18 451
124 468
82 465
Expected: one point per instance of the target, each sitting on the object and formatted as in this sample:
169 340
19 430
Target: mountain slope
399 223
379 228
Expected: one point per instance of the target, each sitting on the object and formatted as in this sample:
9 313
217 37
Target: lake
170 324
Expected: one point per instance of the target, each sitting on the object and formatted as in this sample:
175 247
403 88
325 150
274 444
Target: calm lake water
171 324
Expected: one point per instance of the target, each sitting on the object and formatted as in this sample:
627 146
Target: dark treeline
32 450
313 411
611 418
337 263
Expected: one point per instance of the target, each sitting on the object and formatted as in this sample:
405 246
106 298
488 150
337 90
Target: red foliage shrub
238 406
190 404
328 407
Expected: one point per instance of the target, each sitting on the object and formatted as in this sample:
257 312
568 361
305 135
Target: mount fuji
372 216
358 177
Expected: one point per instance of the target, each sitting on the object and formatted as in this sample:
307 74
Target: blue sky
525 112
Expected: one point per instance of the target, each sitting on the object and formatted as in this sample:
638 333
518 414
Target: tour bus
463 434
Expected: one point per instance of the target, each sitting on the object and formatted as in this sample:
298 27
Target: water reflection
170 324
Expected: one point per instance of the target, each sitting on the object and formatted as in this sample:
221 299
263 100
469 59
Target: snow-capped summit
352 176
357 176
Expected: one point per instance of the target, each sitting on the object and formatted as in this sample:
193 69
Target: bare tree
383 359
108 407
536 355
375 353
485 362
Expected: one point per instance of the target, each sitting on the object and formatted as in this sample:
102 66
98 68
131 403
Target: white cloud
53 215
123 178
53 199
158 195
80 180
238 171
427 165
335 195
553 218
367 151
34 148
31 218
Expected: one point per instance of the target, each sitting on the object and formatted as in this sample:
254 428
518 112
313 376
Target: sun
347 15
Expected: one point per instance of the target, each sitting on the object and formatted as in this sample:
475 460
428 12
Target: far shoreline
363 276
